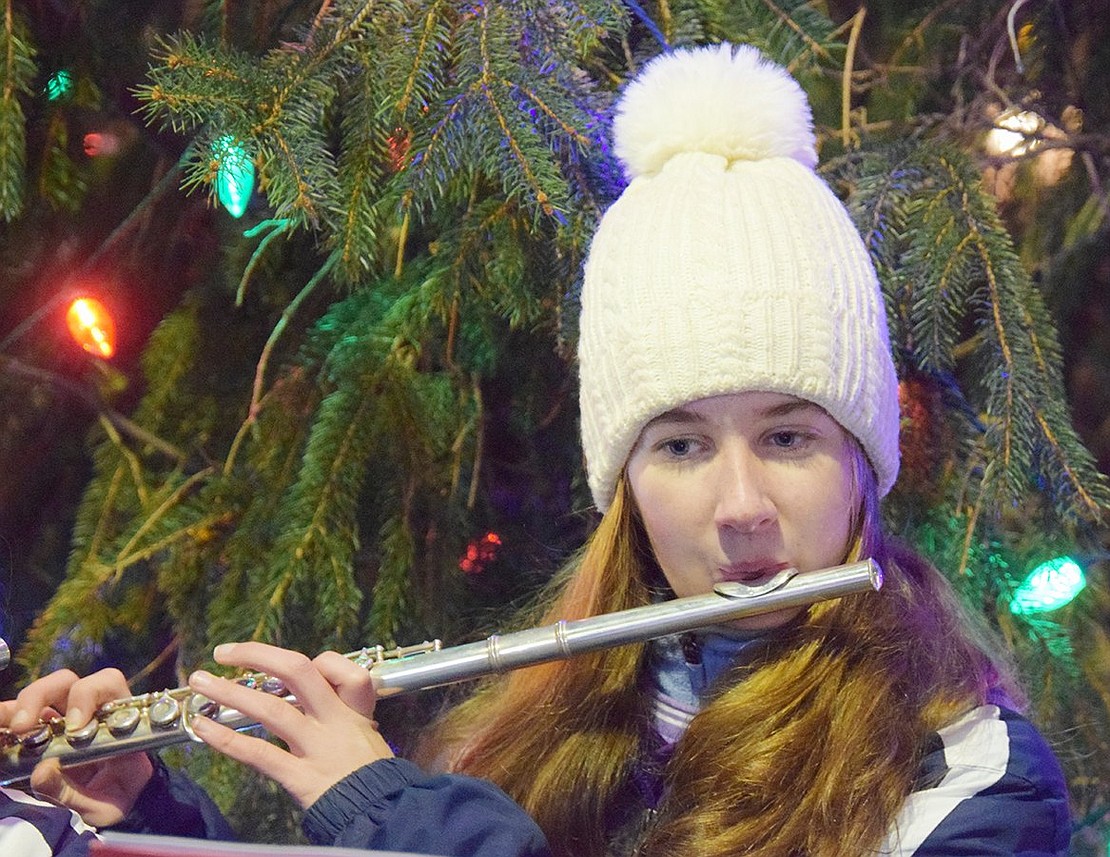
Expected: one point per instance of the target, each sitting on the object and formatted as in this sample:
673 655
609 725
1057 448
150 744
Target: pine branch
788 20
267 471
426 63
321 505
317 517
1030 373
18 70
192 82
796 33
127 554
60 183
87 603
944 257
390 604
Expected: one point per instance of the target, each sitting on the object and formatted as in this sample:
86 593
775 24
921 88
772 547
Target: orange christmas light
92 327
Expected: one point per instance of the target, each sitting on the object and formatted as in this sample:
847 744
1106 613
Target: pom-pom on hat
726 265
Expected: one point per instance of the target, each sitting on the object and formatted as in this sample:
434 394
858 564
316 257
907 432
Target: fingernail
200 680
75 718
222 650
201 725
21 721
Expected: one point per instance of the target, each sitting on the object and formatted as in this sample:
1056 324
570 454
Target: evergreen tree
353 416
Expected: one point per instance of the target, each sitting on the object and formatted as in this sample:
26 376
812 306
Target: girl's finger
275 714
268 759
47 694
89 693
352 683
300 676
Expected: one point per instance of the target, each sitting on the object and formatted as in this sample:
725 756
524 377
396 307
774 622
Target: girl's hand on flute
103 792
332 737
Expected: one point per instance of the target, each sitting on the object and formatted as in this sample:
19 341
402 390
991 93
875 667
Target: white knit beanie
726 265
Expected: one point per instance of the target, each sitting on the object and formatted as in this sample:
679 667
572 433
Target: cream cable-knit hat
726 265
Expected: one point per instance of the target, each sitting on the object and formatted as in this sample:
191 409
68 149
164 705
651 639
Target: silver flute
151 721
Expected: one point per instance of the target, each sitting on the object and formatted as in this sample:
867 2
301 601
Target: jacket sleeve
996 790
171 804
392 805
30 827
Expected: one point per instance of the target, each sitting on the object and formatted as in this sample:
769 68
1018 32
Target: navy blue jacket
989 786
30 827
393 805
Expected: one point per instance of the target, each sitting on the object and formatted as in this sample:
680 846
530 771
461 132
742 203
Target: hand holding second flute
102 792
332 736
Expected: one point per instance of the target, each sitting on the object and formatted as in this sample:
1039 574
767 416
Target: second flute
154 720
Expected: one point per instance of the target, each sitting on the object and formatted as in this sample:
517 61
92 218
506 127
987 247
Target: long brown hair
810 751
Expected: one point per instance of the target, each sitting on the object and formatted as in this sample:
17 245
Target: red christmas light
479 553
92 327
97 144
399 143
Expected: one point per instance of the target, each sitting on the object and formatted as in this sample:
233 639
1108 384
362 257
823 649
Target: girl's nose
744 501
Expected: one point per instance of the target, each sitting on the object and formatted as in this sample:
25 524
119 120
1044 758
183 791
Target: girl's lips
755 571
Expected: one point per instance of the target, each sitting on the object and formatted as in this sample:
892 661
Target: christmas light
98 143
1049 586
60 85
1015 133
399 143
235 176
92 327
479 553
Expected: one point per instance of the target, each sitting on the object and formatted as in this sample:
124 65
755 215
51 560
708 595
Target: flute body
155 720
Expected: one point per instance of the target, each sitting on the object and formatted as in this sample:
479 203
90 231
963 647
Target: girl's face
741 486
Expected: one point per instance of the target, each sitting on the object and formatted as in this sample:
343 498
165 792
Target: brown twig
846 85
267 351
162 657
91 399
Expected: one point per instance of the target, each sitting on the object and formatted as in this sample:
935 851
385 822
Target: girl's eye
787 439
678 447
784 438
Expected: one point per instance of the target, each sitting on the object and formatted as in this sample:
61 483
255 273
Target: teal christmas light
1049 586
235 176
60 85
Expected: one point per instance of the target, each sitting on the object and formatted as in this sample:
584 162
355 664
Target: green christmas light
1049 586
60 85
235 176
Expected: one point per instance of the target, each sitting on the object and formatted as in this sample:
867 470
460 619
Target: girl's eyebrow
684 416
675 415
786 408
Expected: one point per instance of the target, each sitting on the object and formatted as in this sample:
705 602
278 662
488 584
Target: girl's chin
767 621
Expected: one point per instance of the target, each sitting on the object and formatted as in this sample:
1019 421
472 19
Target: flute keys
123 722
82 736
273 686
37 740
164 712
200 705
197 705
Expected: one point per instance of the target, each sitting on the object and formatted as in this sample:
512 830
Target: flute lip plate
735 589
